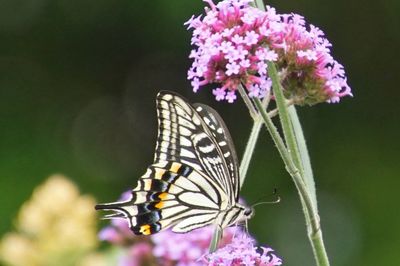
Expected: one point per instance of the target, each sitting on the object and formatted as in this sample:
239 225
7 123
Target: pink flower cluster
242 252
187 249
234 40
190 249
165 247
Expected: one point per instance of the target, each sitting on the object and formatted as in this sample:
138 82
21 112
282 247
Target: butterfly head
248 213
244 213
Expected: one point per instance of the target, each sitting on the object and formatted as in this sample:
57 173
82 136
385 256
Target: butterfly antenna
259 202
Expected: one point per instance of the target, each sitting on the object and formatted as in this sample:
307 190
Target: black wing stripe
224 140
210 159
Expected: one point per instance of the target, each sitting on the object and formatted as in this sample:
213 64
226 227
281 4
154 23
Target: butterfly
194 180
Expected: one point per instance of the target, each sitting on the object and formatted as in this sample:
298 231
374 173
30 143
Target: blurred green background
78 81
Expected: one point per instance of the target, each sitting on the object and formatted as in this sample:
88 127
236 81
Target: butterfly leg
215 238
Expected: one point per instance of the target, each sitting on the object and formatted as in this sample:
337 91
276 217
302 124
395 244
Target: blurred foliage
77 88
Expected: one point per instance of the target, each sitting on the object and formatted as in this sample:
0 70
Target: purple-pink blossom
188 249
234 41
242 252
165 247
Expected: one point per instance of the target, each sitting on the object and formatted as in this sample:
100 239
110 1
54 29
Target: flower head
165 247
56 224
187 249
234 40
243 252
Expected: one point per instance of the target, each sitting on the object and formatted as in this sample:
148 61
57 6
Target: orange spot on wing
159 205
145 229
163 195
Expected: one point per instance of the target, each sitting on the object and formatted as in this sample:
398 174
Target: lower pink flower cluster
241 251
190 249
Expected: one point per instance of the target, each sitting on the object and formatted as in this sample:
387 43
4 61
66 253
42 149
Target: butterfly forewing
184 136
175 127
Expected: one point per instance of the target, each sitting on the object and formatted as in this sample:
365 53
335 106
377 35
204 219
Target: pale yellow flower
18 250
94 259
57 226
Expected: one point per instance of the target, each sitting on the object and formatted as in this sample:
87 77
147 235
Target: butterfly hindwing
168 194
223 139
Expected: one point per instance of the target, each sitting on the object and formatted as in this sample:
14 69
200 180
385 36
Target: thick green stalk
287 127
295 159
290 166
259 4
297 146
305 158
312 218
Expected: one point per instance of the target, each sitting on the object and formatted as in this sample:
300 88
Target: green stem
305 158
287 127
290 166
247 101
260 4
295 157
249 150
312 218
251 143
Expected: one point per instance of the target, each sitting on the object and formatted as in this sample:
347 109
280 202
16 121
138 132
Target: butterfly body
194 180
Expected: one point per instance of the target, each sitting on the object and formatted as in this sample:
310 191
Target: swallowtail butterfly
194 180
